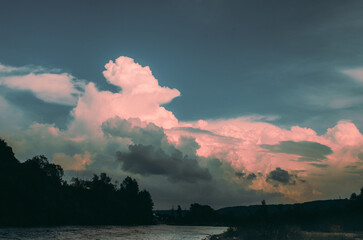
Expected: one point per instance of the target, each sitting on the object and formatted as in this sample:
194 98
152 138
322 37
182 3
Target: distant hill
245 211
315 215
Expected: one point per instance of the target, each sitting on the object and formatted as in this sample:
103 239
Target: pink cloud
239 141
49 87
137 81
345 133
236 141
356 74
140 97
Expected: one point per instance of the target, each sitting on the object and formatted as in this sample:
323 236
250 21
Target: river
155 232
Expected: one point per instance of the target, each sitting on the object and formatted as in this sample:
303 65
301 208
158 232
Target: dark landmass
245 211
284 233
33 193
340 219
317 220
315 215
326 219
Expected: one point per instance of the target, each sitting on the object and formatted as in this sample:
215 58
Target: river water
156 232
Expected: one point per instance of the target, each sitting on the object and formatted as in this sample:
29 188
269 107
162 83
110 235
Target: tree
7 156
130 186
179 214
33 193
145 207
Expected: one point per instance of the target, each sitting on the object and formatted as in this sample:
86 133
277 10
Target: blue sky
228 58
285 63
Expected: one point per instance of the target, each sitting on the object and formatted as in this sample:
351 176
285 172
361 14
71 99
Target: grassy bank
284 233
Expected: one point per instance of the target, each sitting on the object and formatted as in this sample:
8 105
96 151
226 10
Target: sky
217 102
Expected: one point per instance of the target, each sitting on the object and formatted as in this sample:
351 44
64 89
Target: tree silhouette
34 193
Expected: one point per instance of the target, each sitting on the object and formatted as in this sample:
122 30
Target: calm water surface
158 232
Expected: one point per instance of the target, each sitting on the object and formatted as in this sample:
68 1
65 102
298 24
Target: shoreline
292 234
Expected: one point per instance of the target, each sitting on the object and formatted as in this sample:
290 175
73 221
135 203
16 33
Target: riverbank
284 233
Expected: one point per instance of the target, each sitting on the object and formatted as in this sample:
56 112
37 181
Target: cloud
356 74
333 98
147 160
243 175
240 142
318 165
136 80
240 174
345 133
77 162
281 176
309 151
6 69
251 176
193 130
141 97
160 150
60 88
139 132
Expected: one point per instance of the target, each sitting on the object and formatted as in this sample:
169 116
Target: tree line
322 215
33 193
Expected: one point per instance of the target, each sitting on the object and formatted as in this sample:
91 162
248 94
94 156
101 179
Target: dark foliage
33 194
327 215
280 220
198 215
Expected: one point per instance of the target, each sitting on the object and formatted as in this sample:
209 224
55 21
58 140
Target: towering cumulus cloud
130 133
140 97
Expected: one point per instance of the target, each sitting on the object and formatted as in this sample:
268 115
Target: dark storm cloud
148 160
251 176
152 154
242 175
281 176
309 151
222 190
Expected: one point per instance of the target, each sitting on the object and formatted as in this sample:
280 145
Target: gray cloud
195 130
309 151
240 174
222 190
251 176
147 135
281 176
243 175
188 146
360 156
318 165
148 160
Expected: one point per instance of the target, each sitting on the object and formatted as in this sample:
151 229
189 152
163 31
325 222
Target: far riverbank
284 233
